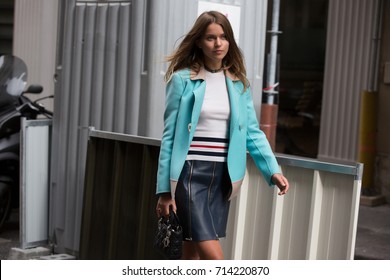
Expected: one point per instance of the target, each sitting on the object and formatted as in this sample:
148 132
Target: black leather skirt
202 200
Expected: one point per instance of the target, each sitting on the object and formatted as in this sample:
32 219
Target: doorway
6 26
301 49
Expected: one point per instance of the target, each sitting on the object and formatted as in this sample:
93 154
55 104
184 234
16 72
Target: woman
209 124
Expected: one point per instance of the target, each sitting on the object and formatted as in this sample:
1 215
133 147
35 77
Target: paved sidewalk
373 233
9 235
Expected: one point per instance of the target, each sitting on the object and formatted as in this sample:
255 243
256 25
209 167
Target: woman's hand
281 182
164 202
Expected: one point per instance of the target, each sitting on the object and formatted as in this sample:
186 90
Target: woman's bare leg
190 251
205 250
210 250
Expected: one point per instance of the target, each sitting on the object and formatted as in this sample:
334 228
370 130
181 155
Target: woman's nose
218 42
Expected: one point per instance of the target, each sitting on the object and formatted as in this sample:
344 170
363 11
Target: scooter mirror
13 75
36 89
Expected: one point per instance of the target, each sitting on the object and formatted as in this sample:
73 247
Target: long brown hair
188 55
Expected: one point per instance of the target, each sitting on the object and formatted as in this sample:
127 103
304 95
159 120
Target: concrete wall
383 137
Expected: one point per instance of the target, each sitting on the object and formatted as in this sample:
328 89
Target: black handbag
169 237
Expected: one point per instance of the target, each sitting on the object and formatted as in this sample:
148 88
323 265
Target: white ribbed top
210 140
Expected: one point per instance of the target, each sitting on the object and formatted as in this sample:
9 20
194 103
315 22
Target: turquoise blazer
184 98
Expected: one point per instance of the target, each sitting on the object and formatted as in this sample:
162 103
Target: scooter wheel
5 203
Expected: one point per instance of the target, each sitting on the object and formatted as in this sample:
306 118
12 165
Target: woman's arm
174 92
260 150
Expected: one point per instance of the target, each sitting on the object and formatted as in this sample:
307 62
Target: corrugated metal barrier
350 41
316 220
118 216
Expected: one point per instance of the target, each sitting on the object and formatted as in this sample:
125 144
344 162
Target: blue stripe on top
208 149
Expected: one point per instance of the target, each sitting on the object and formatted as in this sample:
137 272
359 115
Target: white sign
230 11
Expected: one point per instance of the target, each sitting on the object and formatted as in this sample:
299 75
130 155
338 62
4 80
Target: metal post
270 89
269 107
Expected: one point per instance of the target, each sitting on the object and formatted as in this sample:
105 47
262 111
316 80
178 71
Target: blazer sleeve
174 91
258 145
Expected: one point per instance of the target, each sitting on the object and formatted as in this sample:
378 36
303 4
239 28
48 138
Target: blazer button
189 127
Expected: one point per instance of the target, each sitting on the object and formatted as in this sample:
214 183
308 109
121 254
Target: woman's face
214 46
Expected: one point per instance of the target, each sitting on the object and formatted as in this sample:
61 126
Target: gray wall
348 70
34 40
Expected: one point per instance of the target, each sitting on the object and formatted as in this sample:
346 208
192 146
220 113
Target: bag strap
173 218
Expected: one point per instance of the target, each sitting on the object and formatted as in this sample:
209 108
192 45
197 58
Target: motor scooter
14 106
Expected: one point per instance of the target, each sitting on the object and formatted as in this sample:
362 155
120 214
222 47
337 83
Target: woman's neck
214 68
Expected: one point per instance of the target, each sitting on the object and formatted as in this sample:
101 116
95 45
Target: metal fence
317 219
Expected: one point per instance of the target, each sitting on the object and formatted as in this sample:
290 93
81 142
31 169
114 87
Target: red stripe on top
210 147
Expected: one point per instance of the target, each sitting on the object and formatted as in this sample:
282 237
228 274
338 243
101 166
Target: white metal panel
233 243
347 72
317 219
35 172
314 219
276 227
295 215
353 219
259 204
334 228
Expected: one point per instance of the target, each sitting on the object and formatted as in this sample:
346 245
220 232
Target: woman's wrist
166 195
